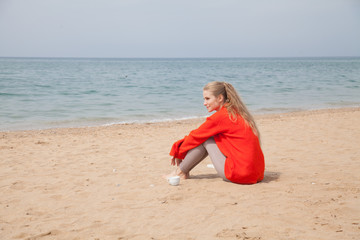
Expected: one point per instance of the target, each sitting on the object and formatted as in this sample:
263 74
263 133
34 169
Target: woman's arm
211 127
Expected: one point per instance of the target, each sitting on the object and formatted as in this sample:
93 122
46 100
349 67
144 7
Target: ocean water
39 93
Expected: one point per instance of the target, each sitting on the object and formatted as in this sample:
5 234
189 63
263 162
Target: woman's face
211 102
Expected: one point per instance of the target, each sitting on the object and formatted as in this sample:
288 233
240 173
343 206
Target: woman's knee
209 141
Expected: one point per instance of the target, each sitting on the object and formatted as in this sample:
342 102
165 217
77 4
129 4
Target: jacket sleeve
211 127
175 149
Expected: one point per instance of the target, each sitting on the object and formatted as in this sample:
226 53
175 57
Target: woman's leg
196 155
193 158
216 156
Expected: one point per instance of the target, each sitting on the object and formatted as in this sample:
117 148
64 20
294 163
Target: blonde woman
230 137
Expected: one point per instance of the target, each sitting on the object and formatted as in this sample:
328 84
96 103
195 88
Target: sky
179 28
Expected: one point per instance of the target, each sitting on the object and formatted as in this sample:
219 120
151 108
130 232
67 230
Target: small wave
344 104
153 120
11 94
42 86
90 92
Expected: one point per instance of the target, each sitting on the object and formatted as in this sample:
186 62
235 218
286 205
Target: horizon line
63 57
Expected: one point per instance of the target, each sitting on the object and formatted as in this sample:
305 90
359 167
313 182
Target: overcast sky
179 28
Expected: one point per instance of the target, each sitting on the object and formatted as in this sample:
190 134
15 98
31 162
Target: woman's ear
220 98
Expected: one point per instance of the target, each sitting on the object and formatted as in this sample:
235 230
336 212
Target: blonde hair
233 103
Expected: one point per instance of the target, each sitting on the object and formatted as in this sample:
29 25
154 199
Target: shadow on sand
204 176
268 176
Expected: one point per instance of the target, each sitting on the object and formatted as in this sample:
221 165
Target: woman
230 137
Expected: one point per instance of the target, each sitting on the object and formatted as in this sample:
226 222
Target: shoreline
187 120
106 183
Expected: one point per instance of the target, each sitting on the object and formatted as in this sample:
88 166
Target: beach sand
106 183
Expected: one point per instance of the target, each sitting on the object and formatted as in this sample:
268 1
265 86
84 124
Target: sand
105 183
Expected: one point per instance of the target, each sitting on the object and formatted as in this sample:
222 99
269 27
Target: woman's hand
176 161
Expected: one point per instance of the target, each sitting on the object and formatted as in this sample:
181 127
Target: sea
42 93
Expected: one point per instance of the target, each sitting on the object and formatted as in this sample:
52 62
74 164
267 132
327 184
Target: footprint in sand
19 185
234 234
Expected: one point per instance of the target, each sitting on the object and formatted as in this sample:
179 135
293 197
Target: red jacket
244 158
